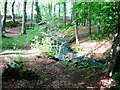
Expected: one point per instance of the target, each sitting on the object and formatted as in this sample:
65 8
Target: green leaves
102 15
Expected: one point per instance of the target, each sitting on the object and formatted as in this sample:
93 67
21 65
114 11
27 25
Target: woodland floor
56 74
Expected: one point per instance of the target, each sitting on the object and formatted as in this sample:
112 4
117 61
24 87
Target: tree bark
13 15
64 17
31 23
24 18
59 10
50 7
39 17
71 12
0 26
54 9
115 51
98 23
4 18
76 27
0 34
89 17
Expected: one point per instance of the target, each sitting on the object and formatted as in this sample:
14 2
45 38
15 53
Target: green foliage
77 47
115 88
70 35
101 35
97 74
93 75
53 22
45 45
65 62
116 77
102 15
10 43
37 18
21 59
28 38
72 68
11 24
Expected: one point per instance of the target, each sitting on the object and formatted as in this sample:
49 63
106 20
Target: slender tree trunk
4 18
76 32
64 17
13 15
114 59
0 26
76 27
71 11
59 10
54 9
0 33
84 22
31 23
39 17
89 17
50 7
98 24
24 18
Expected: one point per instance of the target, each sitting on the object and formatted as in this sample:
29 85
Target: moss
11 24
10 43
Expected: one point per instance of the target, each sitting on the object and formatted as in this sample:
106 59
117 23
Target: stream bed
63 53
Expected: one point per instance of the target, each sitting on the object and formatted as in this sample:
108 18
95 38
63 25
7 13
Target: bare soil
55 74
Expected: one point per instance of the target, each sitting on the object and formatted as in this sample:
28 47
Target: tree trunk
76 32
13 16
54 9
31 23
4 18
0 34
0 26
89 17
76 27
115 51
50 7
84 22
98 23
71 12
64 17
39 17
24 18
59 10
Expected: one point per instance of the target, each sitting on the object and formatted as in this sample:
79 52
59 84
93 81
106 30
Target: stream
63 53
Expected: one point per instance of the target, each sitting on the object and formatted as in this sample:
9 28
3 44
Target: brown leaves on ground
55 74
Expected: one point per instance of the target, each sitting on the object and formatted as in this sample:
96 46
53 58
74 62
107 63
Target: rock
7 59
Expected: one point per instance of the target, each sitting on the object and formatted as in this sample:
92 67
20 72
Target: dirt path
13 32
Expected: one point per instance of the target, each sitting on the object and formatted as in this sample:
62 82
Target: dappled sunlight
60 44
93 48
22 53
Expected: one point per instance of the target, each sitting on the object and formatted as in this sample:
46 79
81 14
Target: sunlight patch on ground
93 47
22 53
